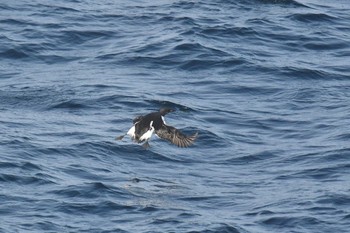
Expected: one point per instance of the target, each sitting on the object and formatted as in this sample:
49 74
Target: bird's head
164 111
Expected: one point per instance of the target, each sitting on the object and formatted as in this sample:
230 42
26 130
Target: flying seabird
144 127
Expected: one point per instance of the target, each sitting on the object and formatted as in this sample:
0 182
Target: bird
144 127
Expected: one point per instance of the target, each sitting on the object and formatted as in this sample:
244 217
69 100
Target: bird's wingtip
119 137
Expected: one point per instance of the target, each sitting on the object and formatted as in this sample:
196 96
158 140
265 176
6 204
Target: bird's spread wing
174 136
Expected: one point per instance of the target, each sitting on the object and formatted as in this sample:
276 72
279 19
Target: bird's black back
143 123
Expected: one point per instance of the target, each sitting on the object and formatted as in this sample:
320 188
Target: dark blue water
266 83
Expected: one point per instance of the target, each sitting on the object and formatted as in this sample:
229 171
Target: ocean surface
265 83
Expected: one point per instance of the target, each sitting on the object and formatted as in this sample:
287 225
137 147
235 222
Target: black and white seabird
145 126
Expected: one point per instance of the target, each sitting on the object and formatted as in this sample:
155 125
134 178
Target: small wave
208 139
252 158
24 180
136 152
81 172
14 54
199 198
121 101
78 37
282 2
102 208
248 90
337 158
17 22
128 151
58 9
28 166
89 190
203 64
37 52
230 32
291 222
334 199
31 98
69 104
308 74
6 7
183 20
197 47
313 17
314 173
219 227
169 104
261 213
329 45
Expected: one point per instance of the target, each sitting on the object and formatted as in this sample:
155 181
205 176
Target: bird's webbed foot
146 145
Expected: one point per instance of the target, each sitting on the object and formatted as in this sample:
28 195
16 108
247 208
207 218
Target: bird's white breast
146 136
131 132
163 120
